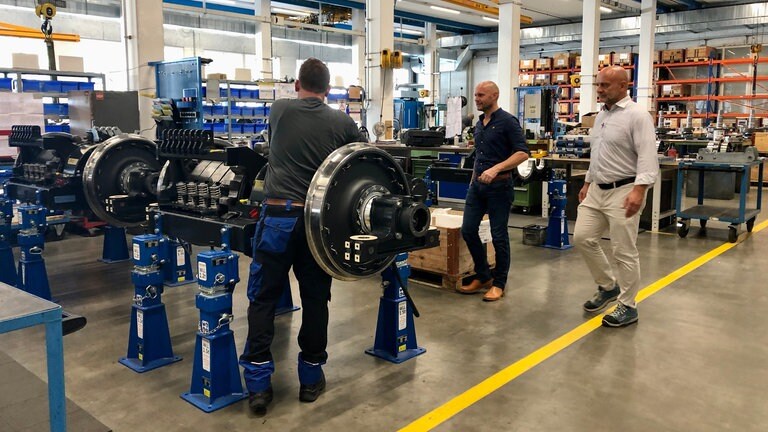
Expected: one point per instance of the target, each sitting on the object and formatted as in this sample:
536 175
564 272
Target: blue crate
205 91
31 85
248 128
257 128
51 86
220 127
67 86
6 83
85 86
59 109
219 110
57 128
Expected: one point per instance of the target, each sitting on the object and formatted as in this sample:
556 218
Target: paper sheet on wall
453 117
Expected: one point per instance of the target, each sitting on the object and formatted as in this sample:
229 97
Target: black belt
607 186
501 177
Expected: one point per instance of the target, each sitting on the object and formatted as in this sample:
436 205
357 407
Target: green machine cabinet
527 197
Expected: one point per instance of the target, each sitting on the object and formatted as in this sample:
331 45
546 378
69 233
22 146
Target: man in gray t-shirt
303 133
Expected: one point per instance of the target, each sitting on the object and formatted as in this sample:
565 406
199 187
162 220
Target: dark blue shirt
498 140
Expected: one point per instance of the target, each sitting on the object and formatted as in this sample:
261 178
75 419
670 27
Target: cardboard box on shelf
623 58
243 74
604 60
564 92
527 65
703 53
544 63
560 78
675 90
563 108
673 56
577 62
563 60
526 79
576 92
25 61
541 79
71 64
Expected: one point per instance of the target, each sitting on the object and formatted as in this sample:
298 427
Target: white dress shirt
623 145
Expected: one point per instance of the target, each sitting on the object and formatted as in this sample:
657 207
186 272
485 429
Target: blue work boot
258 381
601 299
621 316
312 380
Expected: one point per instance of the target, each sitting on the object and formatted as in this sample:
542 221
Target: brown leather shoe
474 286
493 294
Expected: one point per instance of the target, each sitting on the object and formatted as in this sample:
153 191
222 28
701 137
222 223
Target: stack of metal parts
206 184
573 146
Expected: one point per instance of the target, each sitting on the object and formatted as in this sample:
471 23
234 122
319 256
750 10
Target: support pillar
644 69
509 57
263 40
143 34
590 48
358 48
380 83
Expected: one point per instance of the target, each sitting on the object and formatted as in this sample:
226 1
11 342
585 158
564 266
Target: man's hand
583 192
488 175
634 200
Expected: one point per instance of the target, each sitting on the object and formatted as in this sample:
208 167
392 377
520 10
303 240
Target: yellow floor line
444 412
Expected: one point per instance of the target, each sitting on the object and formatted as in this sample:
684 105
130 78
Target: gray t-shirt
302 133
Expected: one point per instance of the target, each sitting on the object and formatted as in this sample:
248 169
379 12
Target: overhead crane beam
14 30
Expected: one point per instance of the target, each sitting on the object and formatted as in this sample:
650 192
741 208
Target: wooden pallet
437 280
697 59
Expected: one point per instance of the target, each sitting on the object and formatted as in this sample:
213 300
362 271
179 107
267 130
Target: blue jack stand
115 248
178 270
33 277
395 331
149 341
557 229
285 304
216 381
7 265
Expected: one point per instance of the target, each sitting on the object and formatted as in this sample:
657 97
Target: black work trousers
280 243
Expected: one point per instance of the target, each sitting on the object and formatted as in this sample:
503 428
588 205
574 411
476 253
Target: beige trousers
602 211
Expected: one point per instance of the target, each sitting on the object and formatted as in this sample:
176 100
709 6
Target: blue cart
703 213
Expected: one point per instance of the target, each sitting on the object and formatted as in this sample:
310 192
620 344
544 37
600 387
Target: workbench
18 310
703 213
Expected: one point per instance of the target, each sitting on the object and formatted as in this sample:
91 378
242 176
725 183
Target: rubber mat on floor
24 403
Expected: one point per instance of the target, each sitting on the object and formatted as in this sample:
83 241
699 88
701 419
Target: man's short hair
314 76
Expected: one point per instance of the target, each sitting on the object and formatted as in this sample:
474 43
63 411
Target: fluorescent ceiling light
409 31
446 10
290 12
491 19
604 9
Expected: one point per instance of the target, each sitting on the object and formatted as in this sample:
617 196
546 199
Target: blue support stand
178 270
216 381
557 229
7 264
285 304
33 277
395 331
149 341
115 248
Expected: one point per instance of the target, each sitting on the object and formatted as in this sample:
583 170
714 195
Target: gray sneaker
621 316
601 299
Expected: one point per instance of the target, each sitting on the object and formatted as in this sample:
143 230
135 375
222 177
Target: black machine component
360 213
62 172
206 184
423 138
38 174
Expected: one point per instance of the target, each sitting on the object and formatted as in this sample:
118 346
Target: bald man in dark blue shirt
499 148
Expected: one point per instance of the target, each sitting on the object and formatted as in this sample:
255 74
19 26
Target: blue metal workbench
18 310
735 216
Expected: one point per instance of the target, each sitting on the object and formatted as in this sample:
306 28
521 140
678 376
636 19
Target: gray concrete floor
695 361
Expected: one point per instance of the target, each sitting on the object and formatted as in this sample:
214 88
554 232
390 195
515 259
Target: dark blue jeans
495 200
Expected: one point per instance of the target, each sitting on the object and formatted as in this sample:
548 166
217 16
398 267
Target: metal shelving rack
230 101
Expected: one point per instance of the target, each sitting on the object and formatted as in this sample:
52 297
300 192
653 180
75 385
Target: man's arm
644 139
516 159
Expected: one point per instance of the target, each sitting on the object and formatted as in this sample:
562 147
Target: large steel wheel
339 196
122 165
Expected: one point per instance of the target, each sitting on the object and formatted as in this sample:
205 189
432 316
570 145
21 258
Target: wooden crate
561 78
622 58
451 259
604 60
700 53
563 60
673 56
544 63
577 63
527 65
675 90
541 79
526 79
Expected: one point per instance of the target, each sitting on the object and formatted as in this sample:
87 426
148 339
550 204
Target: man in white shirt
623 165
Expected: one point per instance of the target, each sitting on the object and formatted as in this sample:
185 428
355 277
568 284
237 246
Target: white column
263 40
590 49
143 35
644 67
358 46
509 56
431 63
380 35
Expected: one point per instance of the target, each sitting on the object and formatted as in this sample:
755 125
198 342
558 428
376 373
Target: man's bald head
487 97
612 83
